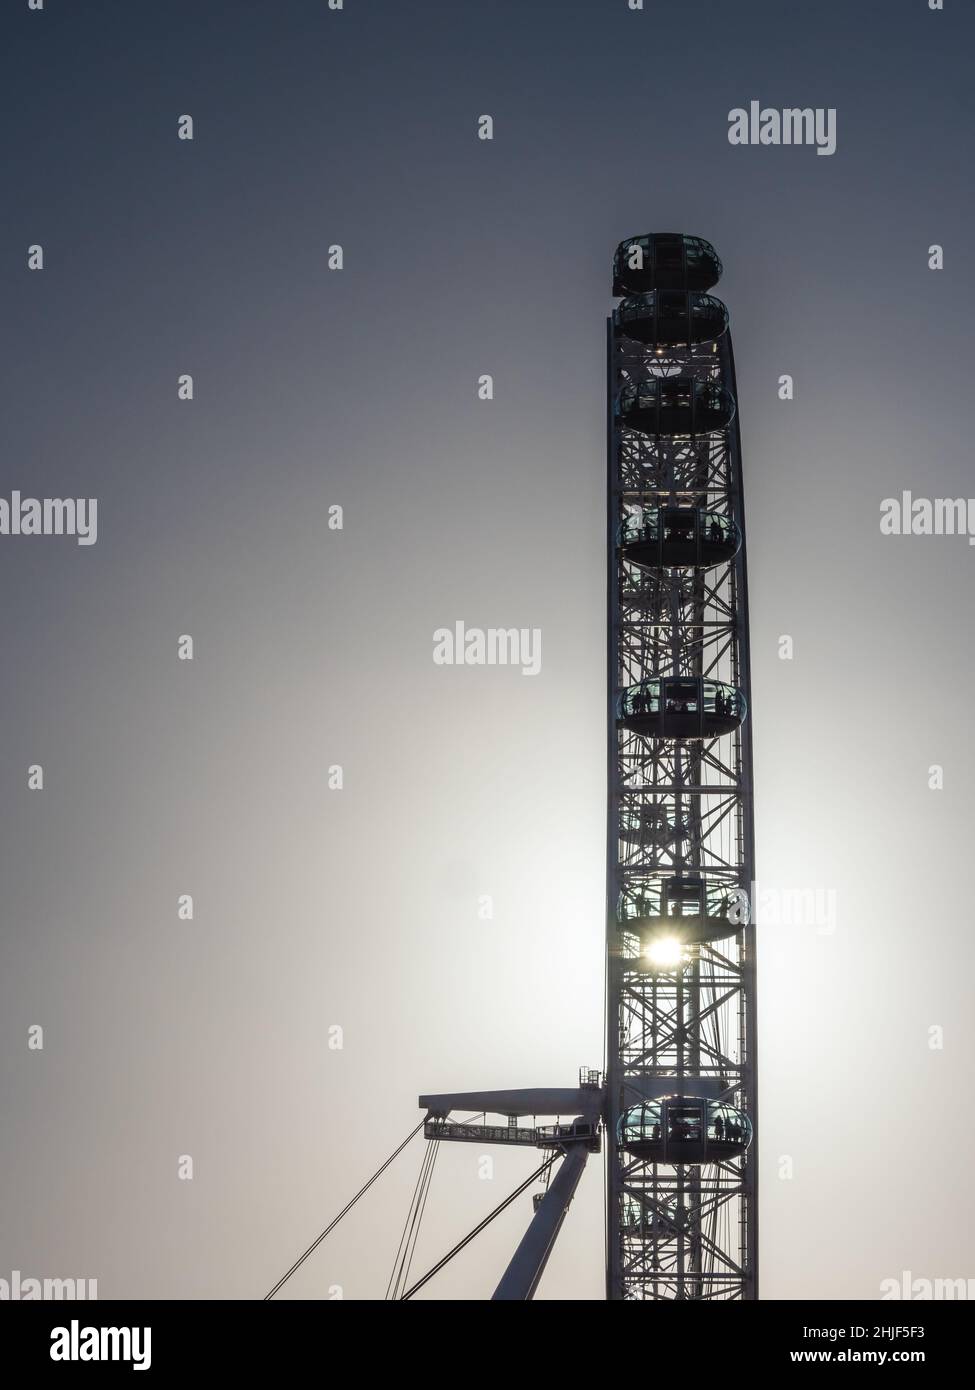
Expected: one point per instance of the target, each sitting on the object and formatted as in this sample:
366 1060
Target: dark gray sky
314 388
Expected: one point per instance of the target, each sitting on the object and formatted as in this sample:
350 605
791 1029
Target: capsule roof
664 261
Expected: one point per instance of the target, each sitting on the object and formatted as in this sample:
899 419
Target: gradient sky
314 388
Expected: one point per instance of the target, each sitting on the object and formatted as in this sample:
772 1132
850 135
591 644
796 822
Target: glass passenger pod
680 707
684 1129
669 914
671 318
672 537
675 405
664 261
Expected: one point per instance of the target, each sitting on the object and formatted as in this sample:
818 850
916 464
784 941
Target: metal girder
520 1279
559 1100
677 1031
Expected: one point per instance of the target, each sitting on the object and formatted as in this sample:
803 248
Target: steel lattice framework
680 840
676 1100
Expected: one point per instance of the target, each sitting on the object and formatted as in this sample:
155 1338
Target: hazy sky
316 388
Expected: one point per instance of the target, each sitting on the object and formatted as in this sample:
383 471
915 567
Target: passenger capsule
671 318
664 261
675 537
668 914
675 405
680 707
684 1129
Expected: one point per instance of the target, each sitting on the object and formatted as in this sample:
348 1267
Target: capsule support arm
520 1279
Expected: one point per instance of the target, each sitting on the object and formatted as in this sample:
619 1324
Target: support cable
344 1212
411 1228
480 1227
404 1234
419 1218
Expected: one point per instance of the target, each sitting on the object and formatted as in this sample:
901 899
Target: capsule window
678 525
720 700
669 253
685 1123
644 700
671 304
681 697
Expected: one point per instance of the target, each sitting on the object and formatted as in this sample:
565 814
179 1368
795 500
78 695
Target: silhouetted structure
676 1103
680 1097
